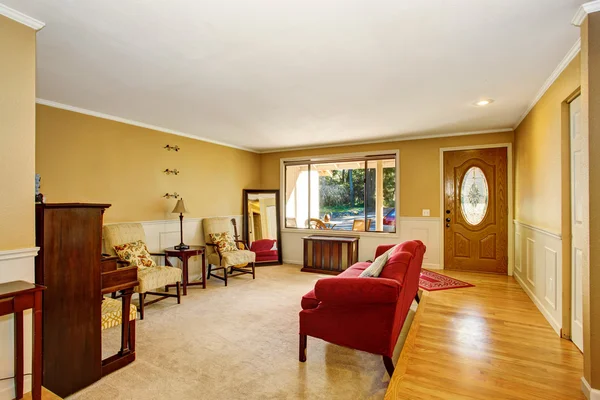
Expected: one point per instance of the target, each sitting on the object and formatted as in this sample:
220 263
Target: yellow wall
419 166
539 158
17 135
87 159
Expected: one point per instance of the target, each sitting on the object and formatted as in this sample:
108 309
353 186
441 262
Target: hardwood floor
485 342
46 395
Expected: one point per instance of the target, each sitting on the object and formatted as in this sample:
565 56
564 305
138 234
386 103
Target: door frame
510 177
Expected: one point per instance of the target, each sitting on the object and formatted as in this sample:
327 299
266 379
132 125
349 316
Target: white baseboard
432 266
293 262
7 391
555 325
590 394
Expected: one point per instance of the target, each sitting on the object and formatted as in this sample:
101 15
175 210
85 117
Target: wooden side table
184 256
16 297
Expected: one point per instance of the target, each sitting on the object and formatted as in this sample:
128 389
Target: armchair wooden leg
389 365
253 267
417 299
178 292
225 275
142 295
209 271
302 349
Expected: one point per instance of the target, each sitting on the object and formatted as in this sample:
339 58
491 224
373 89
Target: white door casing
579 219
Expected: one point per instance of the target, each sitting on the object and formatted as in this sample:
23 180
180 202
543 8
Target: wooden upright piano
71 266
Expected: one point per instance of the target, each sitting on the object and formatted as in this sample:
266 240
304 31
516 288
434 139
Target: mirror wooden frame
246 234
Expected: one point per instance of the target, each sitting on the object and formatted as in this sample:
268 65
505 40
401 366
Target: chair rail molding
18 253
538 269
21 18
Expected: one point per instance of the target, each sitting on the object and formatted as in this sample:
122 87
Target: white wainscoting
538 269
15 265
425 229
161 234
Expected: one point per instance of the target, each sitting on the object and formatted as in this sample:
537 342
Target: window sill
340 233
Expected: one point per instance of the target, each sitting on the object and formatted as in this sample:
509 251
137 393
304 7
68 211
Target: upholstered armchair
150 277
233 261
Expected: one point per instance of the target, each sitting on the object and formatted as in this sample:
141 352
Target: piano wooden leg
142 295
125 306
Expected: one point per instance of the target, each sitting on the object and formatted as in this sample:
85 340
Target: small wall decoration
174 195
39 198
169 148
171 171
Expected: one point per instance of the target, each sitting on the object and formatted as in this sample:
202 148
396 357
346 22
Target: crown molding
559 70
584 10
21 18
67 107
390 140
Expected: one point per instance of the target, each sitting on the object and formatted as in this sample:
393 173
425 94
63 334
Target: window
354 193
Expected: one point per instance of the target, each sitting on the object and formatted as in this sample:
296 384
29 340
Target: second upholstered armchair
224 251
128 241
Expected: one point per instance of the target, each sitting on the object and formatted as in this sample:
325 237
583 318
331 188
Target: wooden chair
359 224
149 278
315 223
241 261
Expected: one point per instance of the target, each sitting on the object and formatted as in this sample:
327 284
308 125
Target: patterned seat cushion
111 312
239 257
155 277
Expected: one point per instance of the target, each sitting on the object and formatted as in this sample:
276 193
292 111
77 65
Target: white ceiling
273 74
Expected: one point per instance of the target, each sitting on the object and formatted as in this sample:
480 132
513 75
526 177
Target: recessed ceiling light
483 102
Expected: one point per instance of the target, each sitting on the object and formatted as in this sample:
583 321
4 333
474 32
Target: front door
579 220
476 210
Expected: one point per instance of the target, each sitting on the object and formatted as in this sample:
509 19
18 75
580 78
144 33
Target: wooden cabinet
329 254
68 264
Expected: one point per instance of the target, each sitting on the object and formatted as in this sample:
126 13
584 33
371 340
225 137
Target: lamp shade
179 207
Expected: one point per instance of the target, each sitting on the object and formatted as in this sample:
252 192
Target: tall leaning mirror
262 229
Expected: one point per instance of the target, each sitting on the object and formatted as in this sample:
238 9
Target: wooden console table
16 297
329 254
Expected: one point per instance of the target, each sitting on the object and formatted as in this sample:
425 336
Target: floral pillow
136 253
224 241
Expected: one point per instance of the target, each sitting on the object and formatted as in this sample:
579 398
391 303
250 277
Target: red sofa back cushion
405 254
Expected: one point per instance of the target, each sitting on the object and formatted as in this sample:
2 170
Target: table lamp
180 208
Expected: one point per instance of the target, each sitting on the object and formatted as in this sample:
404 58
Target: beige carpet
237 342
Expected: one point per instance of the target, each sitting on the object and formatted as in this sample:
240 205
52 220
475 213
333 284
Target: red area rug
433 281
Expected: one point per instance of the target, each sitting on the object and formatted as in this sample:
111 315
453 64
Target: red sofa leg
389 365
302 354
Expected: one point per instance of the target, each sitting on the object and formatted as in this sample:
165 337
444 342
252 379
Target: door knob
447 211
448 219
447 225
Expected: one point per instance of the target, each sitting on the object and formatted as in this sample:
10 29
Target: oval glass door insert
474 196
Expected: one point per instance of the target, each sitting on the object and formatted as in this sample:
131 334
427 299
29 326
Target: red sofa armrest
333 291
382 248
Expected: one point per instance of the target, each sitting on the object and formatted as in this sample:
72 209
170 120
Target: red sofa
263 251
364 313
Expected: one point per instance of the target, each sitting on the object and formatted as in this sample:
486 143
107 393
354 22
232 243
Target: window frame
332 158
